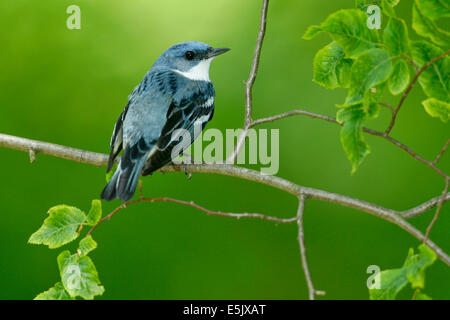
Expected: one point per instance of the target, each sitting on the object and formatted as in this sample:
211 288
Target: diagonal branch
441 153
438 210
408 90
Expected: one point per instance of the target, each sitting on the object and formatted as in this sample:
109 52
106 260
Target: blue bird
176 93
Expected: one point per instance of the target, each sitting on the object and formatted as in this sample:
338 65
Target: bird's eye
189 55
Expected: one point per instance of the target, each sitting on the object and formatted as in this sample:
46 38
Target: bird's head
192 59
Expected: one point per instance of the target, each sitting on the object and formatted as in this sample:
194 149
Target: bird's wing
116 142
193 103
146 114
162 103
140 123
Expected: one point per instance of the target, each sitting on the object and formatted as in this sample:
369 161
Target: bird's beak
216 51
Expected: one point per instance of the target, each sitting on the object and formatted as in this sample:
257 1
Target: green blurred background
69 86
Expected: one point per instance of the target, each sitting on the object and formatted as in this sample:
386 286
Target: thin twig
430 204
249 83
386 105
240 143
367 130
408 90
438 210
301 241
255 63
195 206
410 61
294 113
407 149
386 214
439 156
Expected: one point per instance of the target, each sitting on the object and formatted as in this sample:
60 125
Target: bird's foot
188 160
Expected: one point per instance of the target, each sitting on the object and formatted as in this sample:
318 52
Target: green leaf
311 32
57 292
60 227
79 276
62 257
413 271
361 4
427 28
417 264
399 79
348 28
393 2
395 37
343 72
87 244
370 69
388 8
434 9
434 80
374 94
325 63
95 213
372 109
437 108
352 139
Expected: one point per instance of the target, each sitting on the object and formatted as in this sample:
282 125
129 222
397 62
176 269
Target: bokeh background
69 86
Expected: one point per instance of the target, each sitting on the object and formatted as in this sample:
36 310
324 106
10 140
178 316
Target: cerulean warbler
176 93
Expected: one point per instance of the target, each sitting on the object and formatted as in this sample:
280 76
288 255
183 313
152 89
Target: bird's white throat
200 72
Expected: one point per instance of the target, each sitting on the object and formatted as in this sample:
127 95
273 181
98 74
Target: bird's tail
124 181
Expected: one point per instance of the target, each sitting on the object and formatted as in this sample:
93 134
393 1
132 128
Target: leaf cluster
78 275
392 281
371 63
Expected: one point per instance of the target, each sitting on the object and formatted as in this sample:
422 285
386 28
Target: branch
99 159
439 156
255 63
411 85
294 113
438 210
195 206
431 164
410 61
249 83
388 106
34 147
301 242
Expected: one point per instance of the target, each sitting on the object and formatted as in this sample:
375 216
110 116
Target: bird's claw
187 161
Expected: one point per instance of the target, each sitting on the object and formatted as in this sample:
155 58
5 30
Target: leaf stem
408 90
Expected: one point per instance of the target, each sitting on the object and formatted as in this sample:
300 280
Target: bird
176 93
